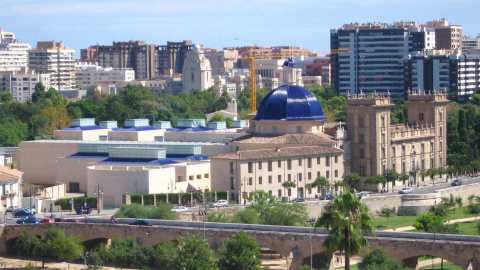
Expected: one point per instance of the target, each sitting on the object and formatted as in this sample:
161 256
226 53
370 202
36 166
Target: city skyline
215 24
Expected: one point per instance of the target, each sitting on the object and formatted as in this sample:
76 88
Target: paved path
409 228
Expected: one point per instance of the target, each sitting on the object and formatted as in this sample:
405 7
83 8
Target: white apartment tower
197 72
373 55
21 84
53 58
13 54
88 75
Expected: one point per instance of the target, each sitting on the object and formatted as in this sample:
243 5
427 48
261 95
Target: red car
47 220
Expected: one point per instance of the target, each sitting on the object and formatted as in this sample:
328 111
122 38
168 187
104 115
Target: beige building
21 84
377 145
53 58
13 54
197 72
108 80
287 143
10 187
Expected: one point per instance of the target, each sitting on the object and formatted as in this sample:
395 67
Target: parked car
327 197
22 213
59 220
83 210
33 211
405 190
72 220
28 220
141 222
11 208
298 200
363 195
47 220
179 209
219 203
457 182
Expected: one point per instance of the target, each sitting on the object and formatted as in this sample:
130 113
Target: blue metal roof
290 103
140 128
136 161
92 127
190 129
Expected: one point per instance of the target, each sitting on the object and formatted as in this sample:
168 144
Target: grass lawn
468 228
352 267
446 266
404 221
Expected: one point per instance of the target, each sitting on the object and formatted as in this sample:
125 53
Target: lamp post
99 192
311 221
171 188
417 170
244 194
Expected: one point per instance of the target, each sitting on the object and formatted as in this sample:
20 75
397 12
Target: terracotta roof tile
279 152
7 174
307 138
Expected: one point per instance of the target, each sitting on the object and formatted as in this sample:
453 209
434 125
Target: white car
179 209
405 190
219 203
363 195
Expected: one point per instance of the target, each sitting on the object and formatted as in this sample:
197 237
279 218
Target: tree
352 179
346 217
432 173
376 180
194 253
165 255
39 93
319 182
377 259
241 252
28 245
474 207
391 175
6 97
403 177
386 212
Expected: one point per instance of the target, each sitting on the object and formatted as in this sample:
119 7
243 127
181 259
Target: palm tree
346 217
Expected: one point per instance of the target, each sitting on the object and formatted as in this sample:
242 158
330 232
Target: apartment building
13 54
374 58
470 45
320 67
55 59
136 55
21 84
172 56
88 75
448 37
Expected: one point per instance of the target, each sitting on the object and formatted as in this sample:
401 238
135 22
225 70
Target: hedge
184 197
77 202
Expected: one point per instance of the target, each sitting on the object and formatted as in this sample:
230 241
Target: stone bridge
291 242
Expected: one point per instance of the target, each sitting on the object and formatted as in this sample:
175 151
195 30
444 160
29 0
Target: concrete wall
139 136
37 159
210 136
74 170
80 135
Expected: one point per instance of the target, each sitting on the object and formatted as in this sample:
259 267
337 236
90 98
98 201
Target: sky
217 24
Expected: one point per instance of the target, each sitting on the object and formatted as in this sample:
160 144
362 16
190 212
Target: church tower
197 72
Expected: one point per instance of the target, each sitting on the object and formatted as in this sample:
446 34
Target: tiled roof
7 174
304 138
279 152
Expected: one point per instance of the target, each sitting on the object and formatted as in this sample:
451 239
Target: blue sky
217 24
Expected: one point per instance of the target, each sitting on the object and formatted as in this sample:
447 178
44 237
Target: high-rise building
197 73
374 57
21 84
447 37
89 75
53 58
457 74
320 67
470 45
172 56
137 55
13 54
89 55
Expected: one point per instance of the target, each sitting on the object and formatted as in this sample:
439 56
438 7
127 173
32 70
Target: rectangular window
232 182
327 161
279 193
361 138
289 192
336 159
250 167
336 173
403 167
259 165
318 160
361 122
289 177
279 164
431 147
279 178
250 181
270 192
423 147
199 176
361 153
299 162
190 177
260 180
420 117
309 176
300 177
269 179
318 174
207 175
289 164
362 170
309 162
393 151
232 167
327 174
269 165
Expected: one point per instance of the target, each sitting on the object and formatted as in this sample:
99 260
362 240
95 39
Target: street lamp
99 192
311 221
417 170
244 195
171 188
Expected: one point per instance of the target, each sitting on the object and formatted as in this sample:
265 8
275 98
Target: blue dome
290 103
